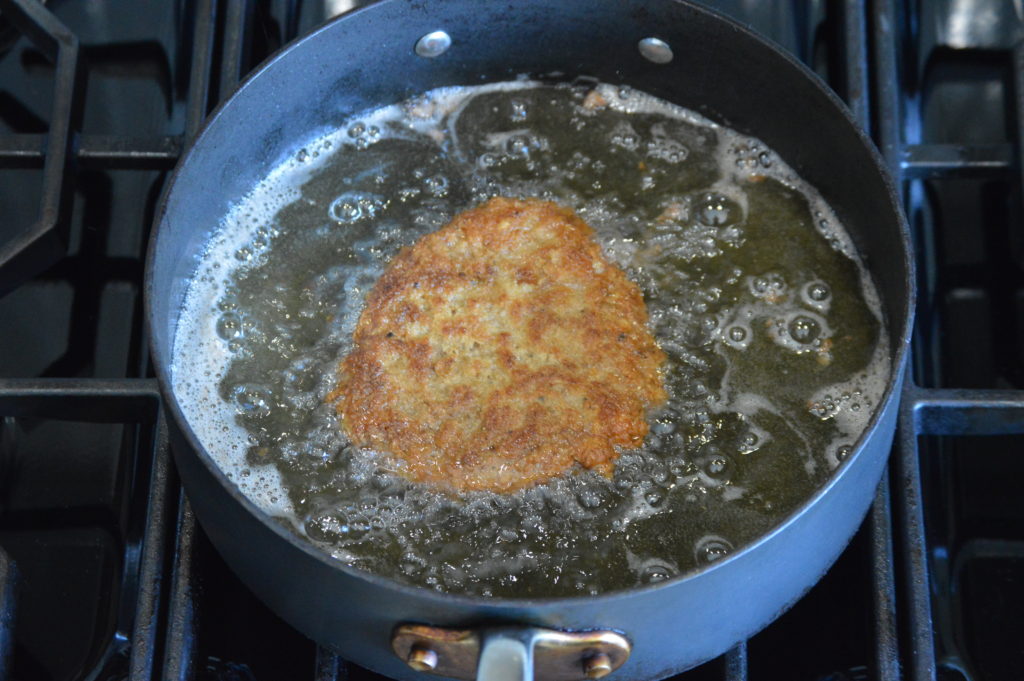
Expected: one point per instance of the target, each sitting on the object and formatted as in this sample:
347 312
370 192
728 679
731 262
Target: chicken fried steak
500 351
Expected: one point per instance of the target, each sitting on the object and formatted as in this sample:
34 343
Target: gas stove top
104 573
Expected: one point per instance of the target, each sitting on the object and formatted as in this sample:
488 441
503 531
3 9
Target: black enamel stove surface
103 572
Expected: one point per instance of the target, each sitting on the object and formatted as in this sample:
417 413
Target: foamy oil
776 349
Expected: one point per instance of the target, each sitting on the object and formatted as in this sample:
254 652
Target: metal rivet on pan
422 659
433 44
597 666
655 50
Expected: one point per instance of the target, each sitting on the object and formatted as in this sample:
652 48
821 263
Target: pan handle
507 655
510 653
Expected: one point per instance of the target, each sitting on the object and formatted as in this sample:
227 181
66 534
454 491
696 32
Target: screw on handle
422 658
597 666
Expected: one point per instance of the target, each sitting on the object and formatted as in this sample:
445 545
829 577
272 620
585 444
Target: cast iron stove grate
117 581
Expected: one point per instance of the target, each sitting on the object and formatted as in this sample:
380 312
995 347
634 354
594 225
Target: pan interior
777 352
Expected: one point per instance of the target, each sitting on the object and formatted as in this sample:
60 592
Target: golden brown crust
500 351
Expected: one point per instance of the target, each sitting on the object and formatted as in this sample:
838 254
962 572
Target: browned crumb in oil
501 351
594 100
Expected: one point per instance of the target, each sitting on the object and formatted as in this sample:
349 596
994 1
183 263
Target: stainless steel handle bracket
510 653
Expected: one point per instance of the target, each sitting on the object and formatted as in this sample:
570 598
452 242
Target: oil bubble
717 467
623 135
716 210
804 329
712 548
715 464
667 150
437 186
229 325
816 295
655 572
351 208
590 497
654 498
817 291
412 565
662 427
737 334
751 441
253 401
770 287
520 145
519 110
227 302
824 409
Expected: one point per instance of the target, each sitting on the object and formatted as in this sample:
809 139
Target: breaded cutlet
500 351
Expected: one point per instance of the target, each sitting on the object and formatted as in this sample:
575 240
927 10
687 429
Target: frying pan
379 55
